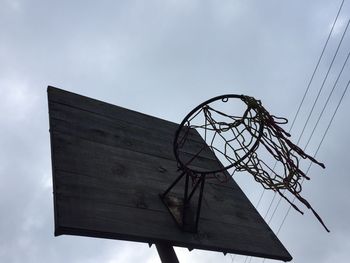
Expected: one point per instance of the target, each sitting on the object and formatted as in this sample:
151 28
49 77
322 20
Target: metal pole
172 185
166 253
200 199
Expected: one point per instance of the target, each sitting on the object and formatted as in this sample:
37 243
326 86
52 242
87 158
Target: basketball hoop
235 138
109 165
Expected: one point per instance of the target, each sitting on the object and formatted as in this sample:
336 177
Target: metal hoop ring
223 98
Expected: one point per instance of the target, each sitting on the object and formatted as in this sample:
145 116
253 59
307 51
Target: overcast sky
163 58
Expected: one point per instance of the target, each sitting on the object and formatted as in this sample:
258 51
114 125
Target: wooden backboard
109 166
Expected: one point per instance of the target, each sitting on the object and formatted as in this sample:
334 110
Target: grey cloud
162 58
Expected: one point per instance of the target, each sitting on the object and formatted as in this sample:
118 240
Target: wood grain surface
109 166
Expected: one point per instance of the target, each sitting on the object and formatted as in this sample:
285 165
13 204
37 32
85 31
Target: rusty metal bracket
185 213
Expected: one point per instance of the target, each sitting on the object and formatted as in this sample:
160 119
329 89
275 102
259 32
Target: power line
323 137
308 86
324 81
302 101
326 103
308 169
321 114
318 120
318 63
297 113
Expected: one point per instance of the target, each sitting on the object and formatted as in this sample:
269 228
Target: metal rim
177 133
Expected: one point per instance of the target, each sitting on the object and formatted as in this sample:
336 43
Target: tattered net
241 136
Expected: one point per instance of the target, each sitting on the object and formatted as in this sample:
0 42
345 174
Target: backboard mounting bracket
185 212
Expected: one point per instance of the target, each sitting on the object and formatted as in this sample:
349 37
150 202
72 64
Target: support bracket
184 210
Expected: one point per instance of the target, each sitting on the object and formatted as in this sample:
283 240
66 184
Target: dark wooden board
109 166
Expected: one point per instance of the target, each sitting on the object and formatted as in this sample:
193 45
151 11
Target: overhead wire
308 86
296 115
317 122
326 103
319 146
310 113
324 80
308 169
328 98
316 67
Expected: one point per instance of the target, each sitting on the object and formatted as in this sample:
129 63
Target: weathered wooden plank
247 218
77 115
122 194
108 110
132 222
114 166
89 150
120 134
109 163
100 134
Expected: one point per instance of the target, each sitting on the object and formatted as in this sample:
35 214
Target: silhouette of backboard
109 166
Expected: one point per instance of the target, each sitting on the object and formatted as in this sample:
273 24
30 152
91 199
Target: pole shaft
166 253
